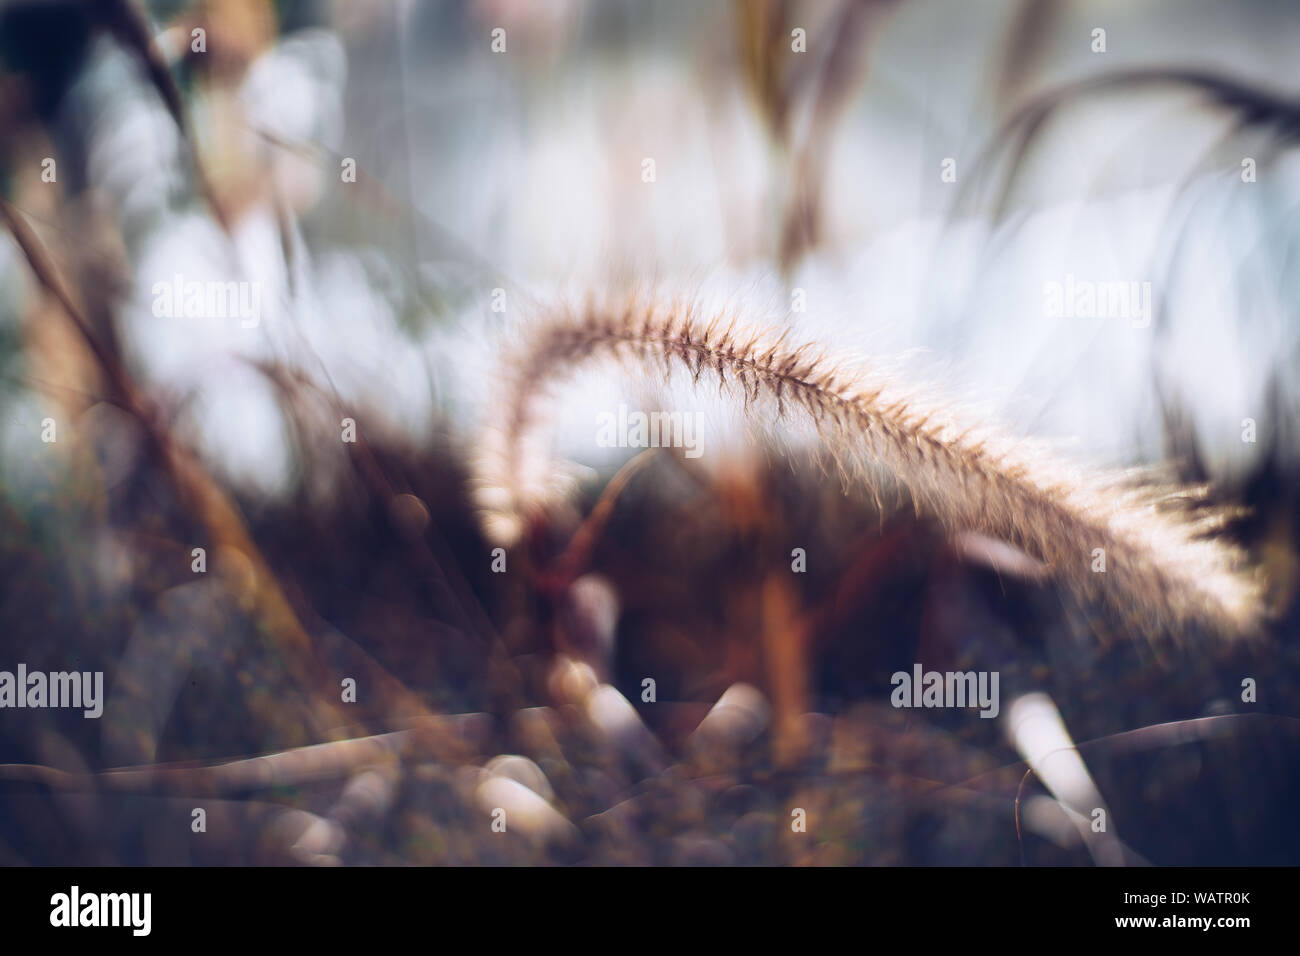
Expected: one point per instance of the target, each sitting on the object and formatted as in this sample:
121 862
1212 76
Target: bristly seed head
1164 573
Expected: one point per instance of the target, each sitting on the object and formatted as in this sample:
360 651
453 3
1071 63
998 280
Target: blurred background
408 186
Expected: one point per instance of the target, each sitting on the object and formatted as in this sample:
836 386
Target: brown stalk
453 739
130 23
257 591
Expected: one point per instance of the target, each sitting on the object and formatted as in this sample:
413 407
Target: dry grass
1166 569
